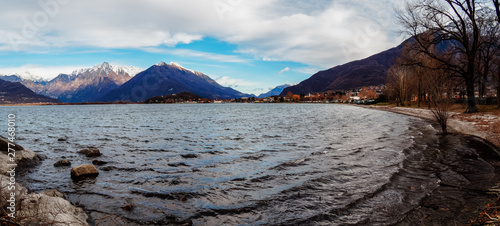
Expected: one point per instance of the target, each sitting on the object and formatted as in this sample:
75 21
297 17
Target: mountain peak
174 64
104 66
108 68
161 64
180 67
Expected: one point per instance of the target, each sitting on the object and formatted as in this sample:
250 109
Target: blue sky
248 45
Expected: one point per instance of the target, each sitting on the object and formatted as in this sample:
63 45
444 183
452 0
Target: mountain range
17 93
166 79
111 83
371 71
87 85
84 85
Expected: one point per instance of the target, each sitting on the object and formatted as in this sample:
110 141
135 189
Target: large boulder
6 188
4 145
23 158
84 171
91 152
47 210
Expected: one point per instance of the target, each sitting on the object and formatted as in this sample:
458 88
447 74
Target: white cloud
284 70
322 33
241 85
45 72
233 82
198 54
181 38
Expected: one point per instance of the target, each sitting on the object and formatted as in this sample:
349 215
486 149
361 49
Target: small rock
84 171
189 156
99 162
63 162
91 152
61 139
128 207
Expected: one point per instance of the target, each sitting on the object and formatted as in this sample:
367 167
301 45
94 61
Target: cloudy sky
250 45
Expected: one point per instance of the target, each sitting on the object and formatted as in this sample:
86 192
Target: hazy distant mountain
371 71
89 84
17 93
166 79
275 91
11 78
25 76
32 82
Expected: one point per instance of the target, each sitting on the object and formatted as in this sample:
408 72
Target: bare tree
440 92
497 10
496 71
398 83
489 49
496 4
450 27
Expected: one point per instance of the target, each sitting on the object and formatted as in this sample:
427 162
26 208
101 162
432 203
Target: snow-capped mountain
178 66
29 76
167 79
106 68
29 80
24 76
105 82
88 84
130 70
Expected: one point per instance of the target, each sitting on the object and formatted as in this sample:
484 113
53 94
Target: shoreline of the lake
481 126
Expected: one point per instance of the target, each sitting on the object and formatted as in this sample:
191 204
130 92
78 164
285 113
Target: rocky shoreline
469 172
45 208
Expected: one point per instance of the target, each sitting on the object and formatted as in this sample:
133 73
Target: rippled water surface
229 163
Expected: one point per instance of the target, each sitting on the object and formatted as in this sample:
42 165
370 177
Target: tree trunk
419 93
471 98
498 90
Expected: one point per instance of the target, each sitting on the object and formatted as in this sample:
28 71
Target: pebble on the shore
63 162
84 171
91 152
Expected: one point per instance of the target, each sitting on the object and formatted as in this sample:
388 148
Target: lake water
217 164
